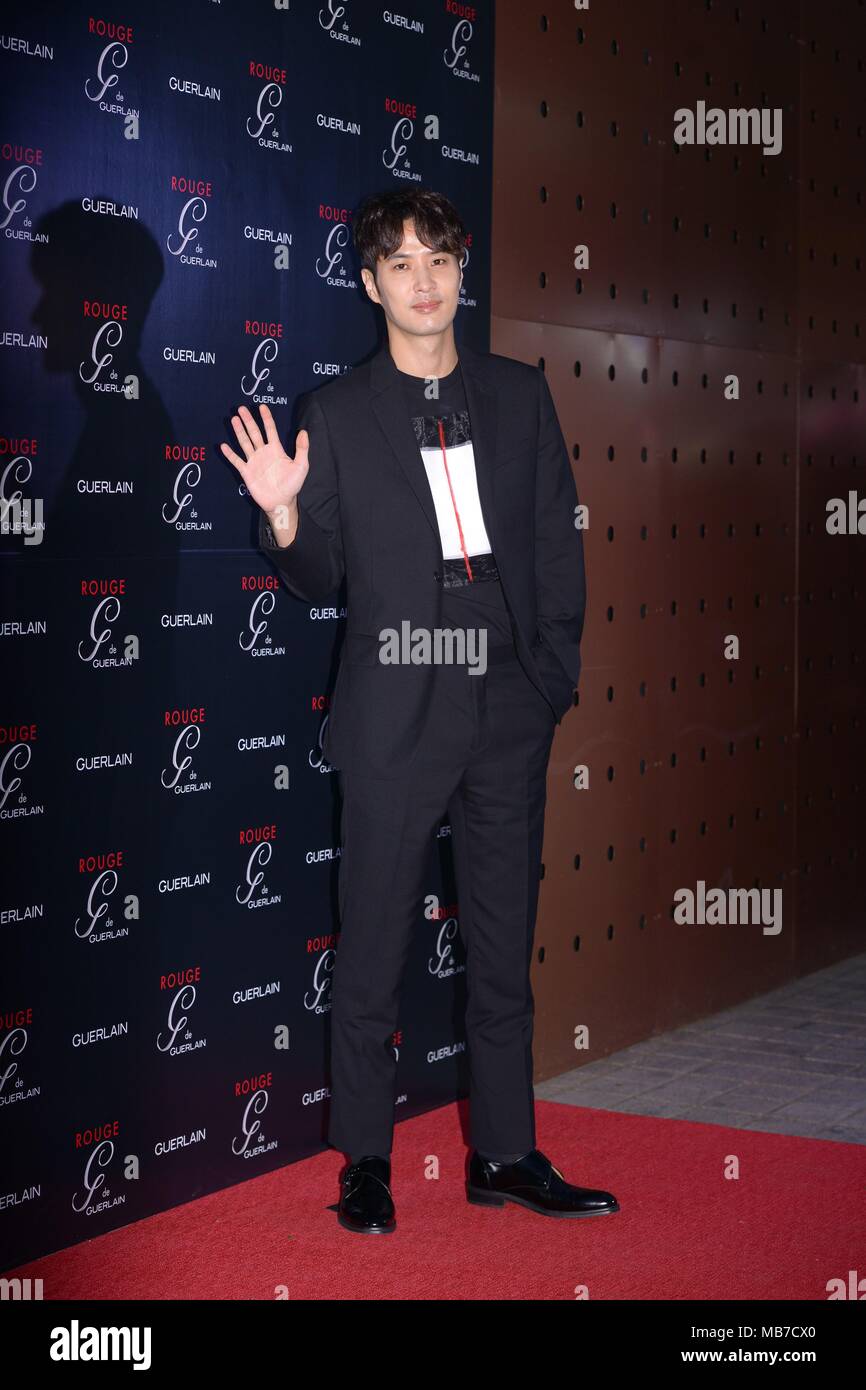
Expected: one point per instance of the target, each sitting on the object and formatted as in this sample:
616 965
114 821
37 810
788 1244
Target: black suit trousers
482 759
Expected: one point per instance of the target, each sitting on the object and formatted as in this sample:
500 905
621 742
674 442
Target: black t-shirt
479 603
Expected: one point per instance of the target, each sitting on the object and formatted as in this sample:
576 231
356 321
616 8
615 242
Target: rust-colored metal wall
707 516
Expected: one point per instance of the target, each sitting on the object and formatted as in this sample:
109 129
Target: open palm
271 477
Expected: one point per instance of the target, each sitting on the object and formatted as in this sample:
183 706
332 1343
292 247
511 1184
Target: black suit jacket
366 511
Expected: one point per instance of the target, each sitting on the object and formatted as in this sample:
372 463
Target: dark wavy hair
377 227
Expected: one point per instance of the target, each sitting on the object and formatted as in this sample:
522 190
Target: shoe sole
481 1198
367 1230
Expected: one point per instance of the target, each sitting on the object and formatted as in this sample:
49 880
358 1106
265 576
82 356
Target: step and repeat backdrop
178 182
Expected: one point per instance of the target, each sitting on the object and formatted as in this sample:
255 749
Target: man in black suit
440 486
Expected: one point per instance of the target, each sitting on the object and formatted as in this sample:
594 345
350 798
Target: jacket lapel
389 408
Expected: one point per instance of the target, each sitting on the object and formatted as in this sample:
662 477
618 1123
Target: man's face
418 288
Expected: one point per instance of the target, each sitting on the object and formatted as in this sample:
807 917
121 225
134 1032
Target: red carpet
794 1219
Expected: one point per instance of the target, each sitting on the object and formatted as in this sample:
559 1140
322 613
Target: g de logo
194 210
403 131
17 758
108 335
13 1045
250 1126
25 176
338 237
263 606
460 37
189 476
103 886
187 738
266 351
113 55
103 612
270 95
321 983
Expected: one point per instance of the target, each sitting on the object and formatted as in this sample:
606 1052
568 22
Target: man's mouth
427 305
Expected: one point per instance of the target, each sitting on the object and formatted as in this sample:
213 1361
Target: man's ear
367 283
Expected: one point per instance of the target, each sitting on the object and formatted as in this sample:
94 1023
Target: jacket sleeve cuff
303 564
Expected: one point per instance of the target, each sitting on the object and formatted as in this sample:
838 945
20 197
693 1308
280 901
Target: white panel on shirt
461 466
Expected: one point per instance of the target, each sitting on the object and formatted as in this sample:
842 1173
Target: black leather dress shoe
533 1182
366 1204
